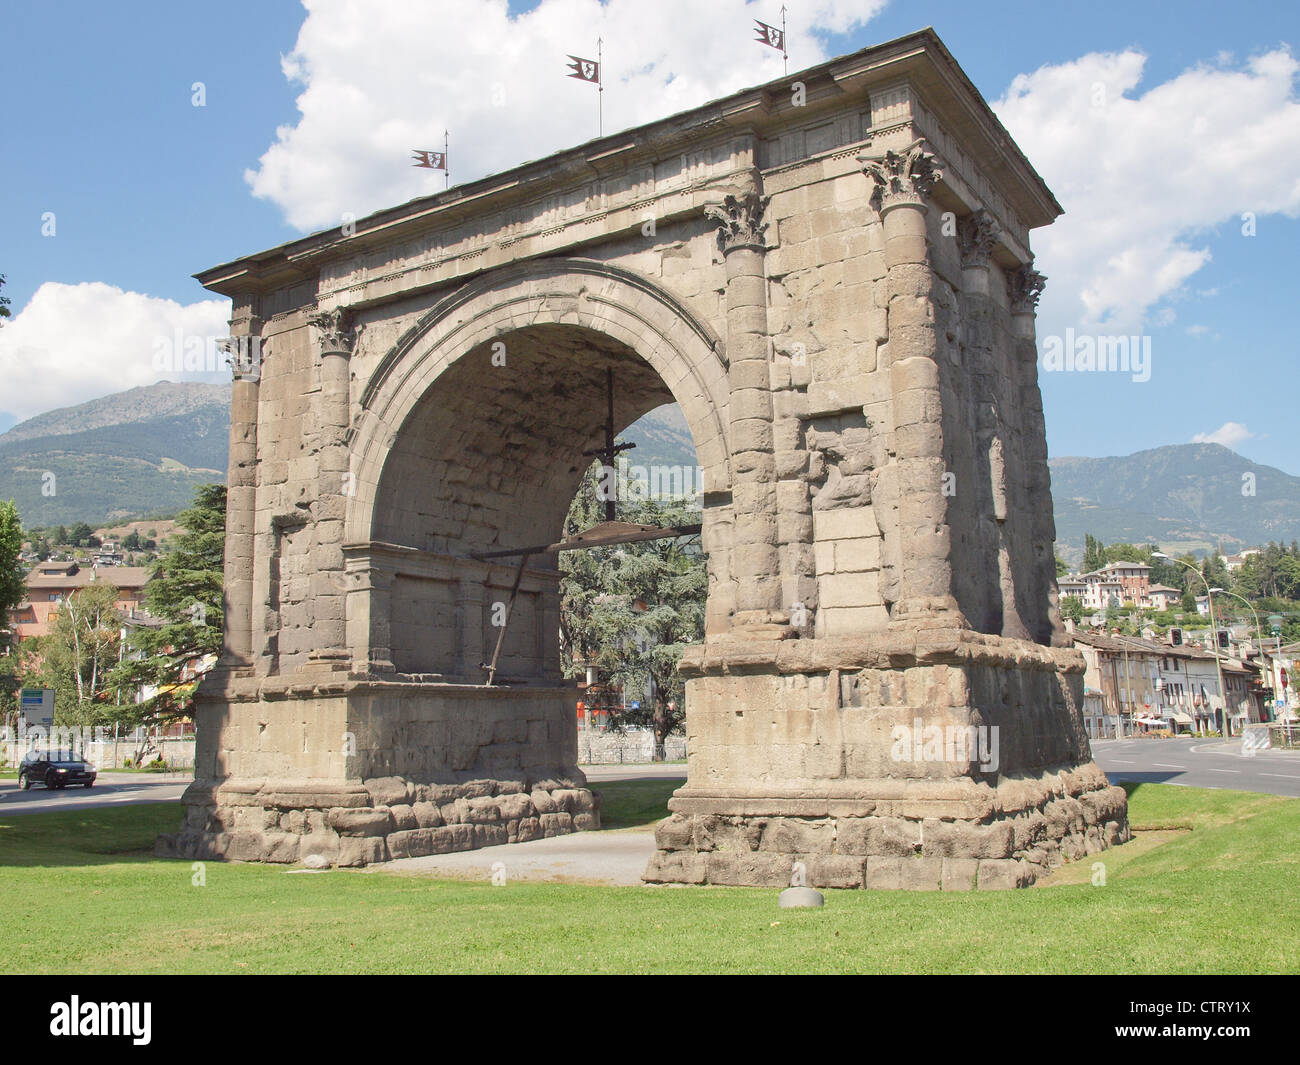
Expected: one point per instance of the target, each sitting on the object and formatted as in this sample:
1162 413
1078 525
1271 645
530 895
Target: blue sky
146 188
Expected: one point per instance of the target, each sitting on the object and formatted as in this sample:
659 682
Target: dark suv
54 769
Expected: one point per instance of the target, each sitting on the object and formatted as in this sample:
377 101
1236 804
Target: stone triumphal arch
831 275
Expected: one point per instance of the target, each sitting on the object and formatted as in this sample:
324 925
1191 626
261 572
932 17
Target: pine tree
185 593
1094 555
630 611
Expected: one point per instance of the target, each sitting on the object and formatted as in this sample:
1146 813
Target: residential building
1134 684
1162 597
1125 583
1235 562
50 583
1134 578
1121 675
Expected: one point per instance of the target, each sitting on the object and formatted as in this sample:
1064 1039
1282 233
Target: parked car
55 769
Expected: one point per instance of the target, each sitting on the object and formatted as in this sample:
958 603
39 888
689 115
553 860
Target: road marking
1284 776
1164 765
1223 771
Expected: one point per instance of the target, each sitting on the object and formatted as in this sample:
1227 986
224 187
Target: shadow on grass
635 804
86 837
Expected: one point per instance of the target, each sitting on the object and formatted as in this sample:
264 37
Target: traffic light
1176 637
1223 639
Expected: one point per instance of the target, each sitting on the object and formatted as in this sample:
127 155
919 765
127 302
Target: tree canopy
629 611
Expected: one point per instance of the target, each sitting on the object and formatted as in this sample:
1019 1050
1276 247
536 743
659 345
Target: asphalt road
1199 764
111 789
114 789
1186 762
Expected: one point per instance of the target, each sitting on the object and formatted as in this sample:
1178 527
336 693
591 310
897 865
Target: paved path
617 857
643 771
1199 764
111 789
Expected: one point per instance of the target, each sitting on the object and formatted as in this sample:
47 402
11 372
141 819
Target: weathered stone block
790 835
1002 874
348 822
386 791
403 817
877 836
556 824
360 850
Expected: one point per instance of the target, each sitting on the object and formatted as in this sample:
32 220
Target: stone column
245 353
977 236
903 181
334 485
1038 561
369 614
755 561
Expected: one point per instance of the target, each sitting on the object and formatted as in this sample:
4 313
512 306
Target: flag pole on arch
589 70
774 38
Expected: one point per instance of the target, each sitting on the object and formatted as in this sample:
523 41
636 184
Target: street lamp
1259 634
1214 627
1275 623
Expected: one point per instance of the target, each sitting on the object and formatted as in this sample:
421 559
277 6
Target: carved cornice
334 332
977 236
244 355
1024 287
740 221
902 177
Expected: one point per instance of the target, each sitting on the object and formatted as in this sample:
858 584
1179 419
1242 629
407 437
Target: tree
1094 554
79 534
1168 573
12 584
4 301
1072 608
1062 568
1127 553
630 611
79 653
185 593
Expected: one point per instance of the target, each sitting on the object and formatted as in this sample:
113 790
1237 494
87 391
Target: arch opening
489 458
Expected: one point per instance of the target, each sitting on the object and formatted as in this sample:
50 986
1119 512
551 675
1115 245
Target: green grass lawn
1211 885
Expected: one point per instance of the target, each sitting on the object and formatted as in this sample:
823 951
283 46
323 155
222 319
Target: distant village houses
49 584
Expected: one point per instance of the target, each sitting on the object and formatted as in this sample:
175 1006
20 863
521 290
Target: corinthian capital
1024 287
244 355
977 236
903 177
334 332
740 221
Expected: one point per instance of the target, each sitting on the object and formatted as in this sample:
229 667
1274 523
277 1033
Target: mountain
1185 496
661 438
138 453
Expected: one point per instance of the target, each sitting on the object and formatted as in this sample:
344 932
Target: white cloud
1229 434
383 77
72 343
1145 177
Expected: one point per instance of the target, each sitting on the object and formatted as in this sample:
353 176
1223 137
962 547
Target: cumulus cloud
72 343
1229 434
382 77
1146 176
